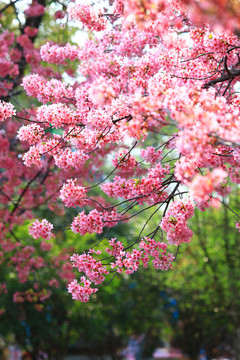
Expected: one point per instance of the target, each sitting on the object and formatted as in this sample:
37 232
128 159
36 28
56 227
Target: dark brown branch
230 75
24 191
100 182
127 118
6 6
198 56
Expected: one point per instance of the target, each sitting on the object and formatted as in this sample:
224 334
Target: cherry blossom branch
145 224
228 207
194 78
25 119
100 182
176 254
6 196
127 117
105 284
24 191
198 56
62 139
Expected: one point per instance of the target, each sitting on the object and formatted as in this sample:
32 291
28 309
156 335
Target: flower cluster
161 259
148 188
202 186
31 296
68 159
130 261
91 267
125 162
3 288
151 155
41 229
238 226
118 6
73 195
54 90
31 133
33 84
101 92
32 157
125 261
55 114
6 110
175 222
93 222
25 262
57 55
81 293
87 16
31 31
35 9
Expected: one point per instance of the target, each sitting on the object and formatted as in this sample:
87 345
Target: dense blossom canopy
154 90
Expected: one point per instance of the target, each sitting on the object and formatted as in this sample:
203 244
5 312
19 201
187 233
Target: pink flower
45 246
202 186
30 31
25 42
83 224
175 222
81 293
238 226
55 114
32 157
59 14
101 92
56 54
34 10
18 298
31 133
73 195
41 229
54 283
87 16
151 155
6 110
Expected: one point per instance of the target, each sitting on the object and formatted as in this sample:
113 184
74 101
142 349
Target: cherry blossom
73 195
87 16
140 122
41 229
175 222
6 110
